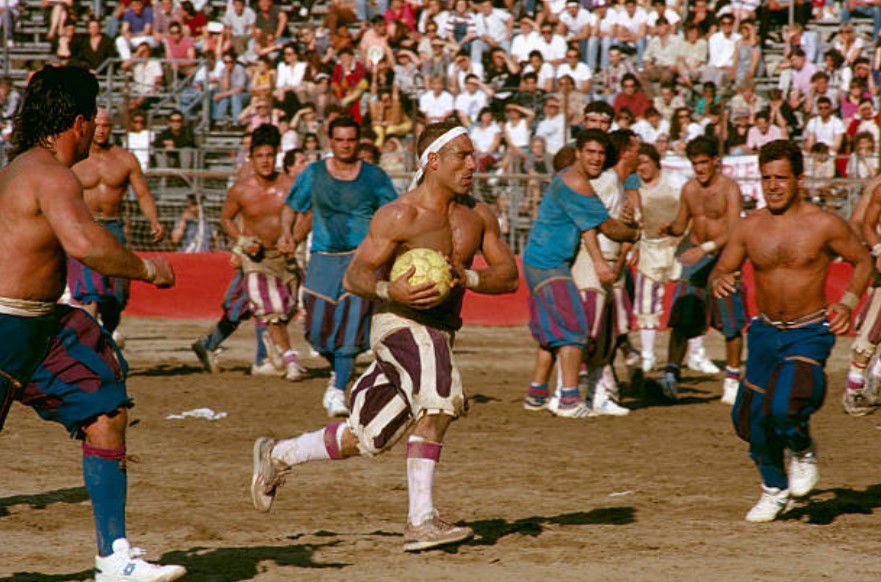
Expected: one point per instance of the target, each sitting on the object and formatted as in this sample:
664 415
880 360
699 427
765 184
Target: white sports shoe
293 370
125 565
699 362
769 506
648 362
266 369
334 402
609 407
273 354
803 473
730 386
267 475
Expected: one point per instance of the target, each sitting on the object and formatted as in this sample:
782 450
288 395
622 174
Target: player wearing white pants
656 263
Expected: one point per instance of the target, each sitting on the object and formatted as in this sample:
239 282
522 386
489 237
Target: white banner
742 169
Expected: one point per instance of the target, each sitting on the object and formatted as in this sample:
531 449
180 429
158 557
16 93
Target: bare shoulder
284 181
126 157
828 221
728 185
401 210
47 175
485 214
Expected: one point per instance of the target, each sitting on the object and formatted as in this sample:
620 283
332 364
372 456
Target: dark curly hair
52 101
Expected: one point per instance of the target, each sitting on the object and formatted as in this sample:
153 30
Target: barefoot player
414 380
270 280
711 204
791 244
106 176
56 358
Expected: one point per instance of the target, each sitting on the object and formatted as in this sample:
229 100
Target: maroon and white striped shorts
648 302
413 374
869 324
272 299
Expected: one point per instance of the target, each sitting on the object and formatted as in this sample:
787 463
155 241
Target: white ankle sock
876 368
420 482
855 377
647 340
309 446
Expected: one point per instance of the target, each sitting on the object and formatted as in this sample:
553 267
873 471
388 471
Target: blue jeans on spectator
873 12
190 102
478 47
365 9
598 46
112 30
219 108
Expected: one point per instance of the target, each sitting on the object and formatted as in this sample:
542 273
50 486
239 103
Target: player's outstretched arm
723 279
619 231
375 251
61 201
500 275
845 243
858 216
868 225
145 199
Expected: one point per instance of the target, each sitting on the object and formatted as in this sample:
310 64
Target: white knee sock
647 340
309 446
876 368
695 344
422 458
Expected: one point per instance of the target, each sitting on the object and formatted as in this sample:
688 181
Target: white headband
435 147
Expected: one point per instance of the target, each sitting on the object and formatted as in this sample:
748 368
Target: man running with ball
414 380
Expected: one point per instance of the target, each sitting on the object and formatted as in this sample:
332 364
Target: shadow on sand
844 502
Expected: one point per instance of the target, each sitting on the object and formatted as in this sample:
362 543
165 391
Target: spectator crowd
518 73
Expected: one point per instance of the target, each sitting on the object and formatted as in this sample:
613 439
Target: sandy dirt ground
657 495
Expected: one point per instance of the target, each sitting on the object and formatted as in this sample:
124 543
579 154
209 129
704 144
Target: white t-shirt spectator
555 6
495 25
546 72
432 105
523 44
483 137
575 24
608 22
670 15
553 129
648 133
756 139
722 49
632 23
453 69
825 131
580 73
518 133
289 75
553 50
470 104
138 143
240 25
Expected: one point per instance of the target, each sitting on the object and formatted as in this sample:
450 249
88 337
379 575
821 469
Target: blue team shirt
562 216
633 182
341 209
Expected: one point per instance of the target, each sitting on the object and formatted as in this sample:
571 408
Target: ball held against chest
430 265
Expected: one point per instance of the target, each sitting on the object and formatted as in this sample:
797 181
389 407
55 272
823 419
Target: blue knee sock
106 483
221 331
770 466
342 367
261 345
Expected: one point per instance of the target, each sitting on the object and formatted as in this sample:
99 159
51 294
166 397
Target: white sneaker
267 475
293 370
607 377
266 369
730 386
803 474
125 565
769 506
273 354
334 402
648 362
609 407
580 410
699 362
